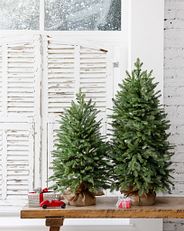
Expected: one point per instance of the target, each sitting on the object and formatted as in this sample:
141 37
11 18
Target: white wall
146 35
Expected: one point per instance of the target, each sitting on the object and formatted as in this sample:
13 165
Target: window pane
19 14
83 15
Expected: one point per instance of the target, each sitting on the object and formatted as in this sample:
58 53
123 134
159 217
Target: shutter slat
52 137
20 70
21 55
93 79
87 75
21 78
70 67
15 171
55 45
20 75
18 160
61 76
15 60
20 121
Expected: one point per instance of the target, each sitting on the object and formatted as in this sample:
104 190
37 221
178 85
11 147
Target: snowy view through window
83 15
69 15
19 14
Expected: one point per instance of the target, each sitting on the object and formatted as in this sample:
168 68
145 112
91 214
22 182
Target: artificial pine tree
141 150
80 156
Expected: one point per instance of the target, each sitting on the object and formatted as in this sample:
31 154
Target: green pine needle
141 151
80 154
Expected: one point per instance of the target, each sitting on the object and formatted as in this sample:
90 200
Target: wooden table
165 207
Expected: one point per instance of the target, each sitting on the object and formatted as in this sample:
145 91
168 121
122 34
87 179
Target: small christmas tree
80 161
141 151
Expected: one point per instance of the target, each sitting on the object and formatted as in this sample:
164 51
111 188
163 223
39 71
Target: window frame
41 25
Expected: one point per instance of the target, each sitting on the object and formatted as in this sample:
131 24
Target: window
60 15
19 14
83 15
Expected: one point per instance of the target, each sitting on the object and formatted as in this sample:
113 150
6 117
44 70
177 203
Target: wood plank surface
165 207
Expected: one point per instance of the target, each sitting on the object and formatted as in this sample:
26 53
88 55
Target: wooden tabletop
165 207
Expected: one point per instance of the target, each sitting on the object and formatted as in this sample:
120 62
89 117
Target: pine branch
141 151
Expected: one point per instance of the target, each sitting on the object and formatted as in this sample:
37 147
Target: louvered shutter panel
61 76
20 85
52 132
20 59
1 161
1 135
0 78
94 80
17 159
70 67
20 115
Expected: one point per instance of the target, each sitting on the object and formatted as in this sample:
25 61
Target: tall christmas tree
141 150
80 156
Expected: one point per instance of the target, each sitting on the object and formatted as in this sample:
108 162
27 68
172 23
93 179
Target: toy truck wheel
63 206
44 206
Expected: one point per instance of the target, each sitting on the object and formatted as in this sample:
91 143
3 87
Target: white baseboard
99 228
17 224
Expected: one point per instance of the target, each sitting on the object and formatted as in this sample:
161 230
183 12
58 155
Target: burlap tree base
82 197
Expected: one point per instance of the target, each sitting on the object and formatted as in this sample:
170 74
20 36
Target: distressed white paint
4 165
111 71
1 77
37 109
17 159
1 144
20 115
52 131
61 69
77 68
4 79
44 114
71 66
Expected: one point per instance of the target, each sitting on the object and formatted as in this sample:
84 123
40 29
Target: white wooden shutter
0 77
1 161
61 76
16 147
1 135
93 75
20 84
20 76
52 134
94 80
20 114
72 66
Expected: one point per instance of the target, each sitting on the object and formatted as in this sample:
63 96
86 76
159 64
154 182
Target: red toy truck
52 203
